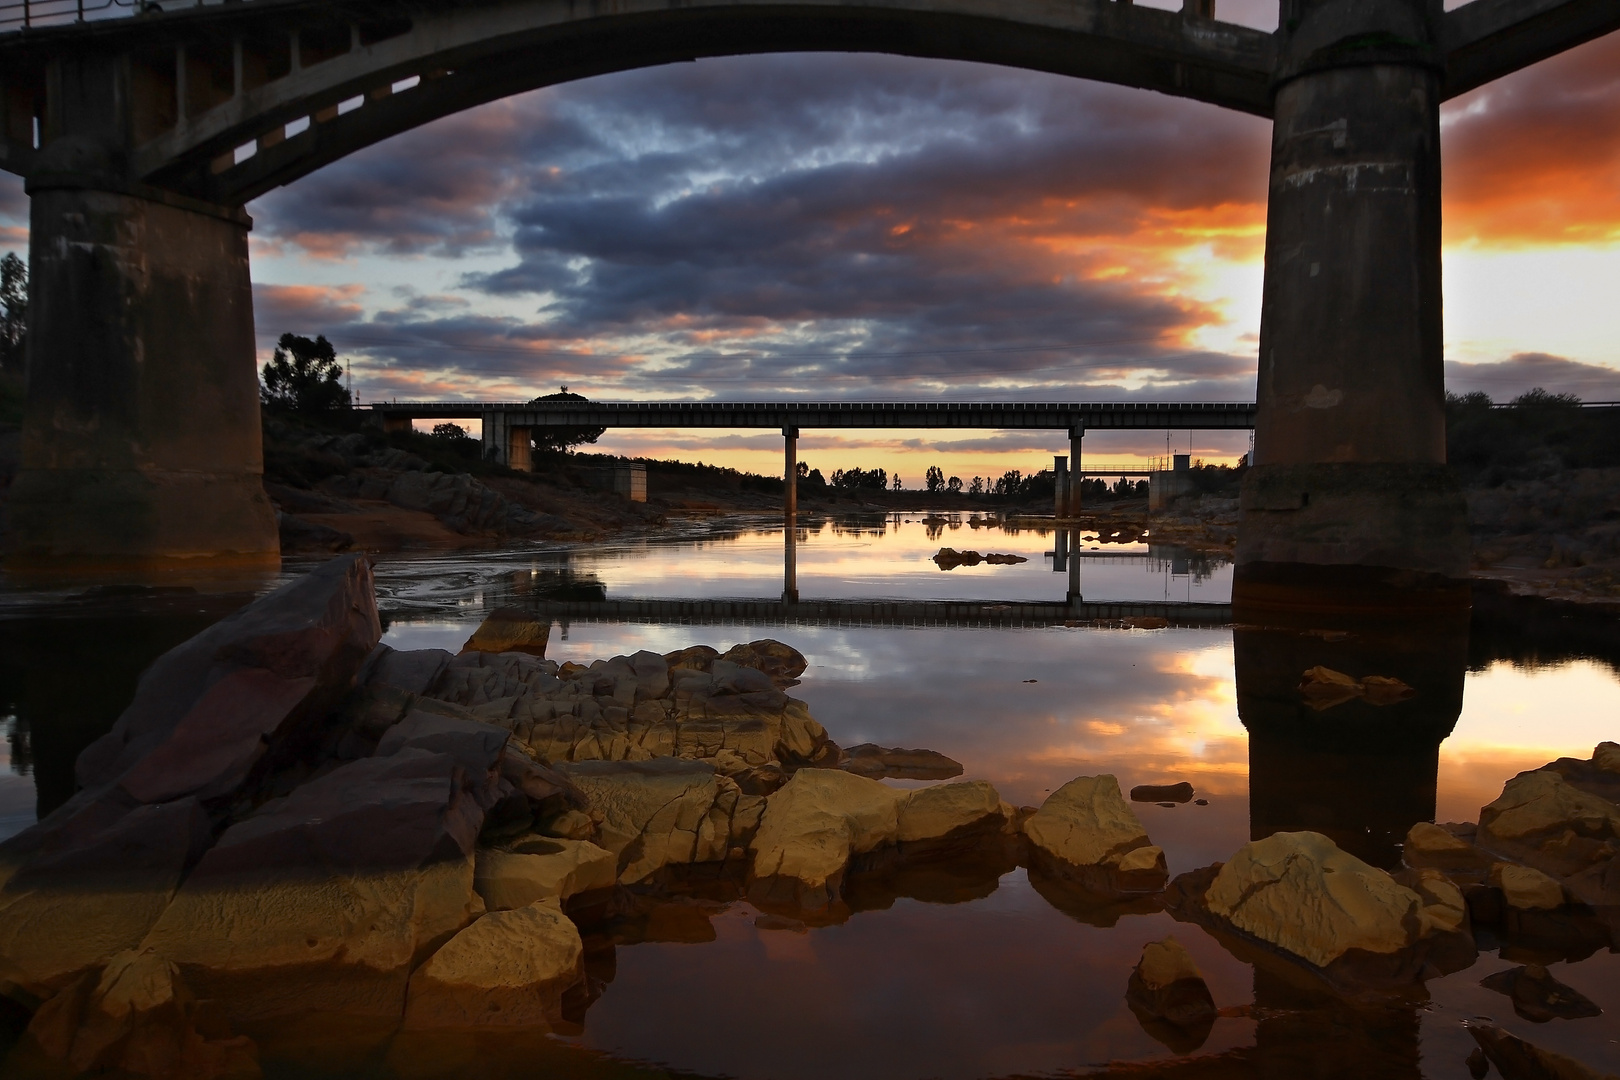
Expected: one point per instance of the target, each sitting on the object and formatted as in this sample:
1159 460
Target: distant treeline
1539 435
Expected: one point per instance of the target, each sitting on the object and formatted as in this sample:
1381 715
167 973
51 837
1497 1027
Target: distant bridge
509 425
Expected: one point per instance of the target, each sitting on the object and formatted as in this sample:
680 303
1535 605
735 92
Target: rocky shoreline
294 831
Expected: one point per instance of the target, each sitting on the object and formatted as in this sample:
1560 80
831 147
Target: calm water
1006 984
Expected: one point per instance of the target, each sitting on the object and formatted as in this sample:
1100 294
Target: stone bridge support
1350 443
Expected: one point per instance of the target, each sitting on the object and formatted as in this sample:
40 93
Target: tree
897 481
304 376
13 312
977 487
954 485
935 480
562 439
860 479
457 439
809 477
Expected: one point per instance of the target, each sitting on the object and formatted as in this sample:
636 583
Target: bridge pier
1350 443
790 515
141 445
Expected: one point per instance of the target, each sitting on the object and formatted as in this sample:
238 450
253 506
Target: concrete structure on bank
141 138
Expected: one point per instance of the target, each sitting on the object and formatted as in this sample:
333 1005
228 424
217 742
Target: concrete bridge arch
141 138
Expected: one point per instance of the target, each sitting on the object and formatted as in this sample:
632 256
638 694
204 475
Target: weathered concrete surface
141 443
1349 448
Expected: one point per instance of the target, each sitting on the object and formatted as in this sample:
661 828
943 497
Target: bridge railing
27 14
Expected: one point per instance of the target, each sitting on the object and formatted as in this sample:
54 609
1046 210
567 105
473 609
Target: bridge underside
140 139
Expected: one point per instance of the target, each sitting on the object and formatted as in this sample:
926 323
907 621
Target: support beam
519 454
141 440
1077 473
1350 442
790 515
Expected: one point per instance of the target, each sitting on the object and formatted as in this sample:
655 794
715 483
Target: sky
878 227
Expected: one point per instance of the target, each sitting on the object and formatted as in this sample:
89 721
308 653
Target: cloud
1507 379
1534 158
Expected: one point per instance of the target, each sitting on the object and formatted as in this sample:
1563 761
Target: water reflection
1361 770
955 970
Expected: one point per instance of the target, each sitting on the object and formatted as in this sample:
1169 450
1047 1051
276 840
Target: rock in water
508 969
1516 1059
1086 831
1173 793
1299 892
1300 895
509 629
1526 888
211 719
782 663
1169 996
876 762
1429 845
946 812
810 829
664 813
1542 819
1539 997
324 900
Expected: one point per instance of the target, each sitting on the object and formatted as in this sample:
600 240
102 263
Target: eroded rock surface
1168 994
508 969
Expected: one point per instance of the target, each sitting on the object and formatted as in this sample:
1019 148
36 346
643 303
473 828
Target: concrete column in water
1350 453
1060 486
141 445
1077 474
790 515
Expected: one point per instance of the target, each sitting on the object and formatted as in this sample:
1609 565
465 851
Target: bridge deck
837 414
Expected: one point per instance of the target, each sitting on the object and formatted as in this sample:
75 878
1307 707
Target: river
999 983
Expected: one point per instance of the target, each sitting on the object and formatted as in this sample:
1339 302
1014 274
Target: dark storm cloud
1509 378
767 220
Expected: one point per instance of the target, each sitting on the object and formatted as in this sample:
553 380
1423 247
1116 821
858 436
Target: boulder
211 721
950 812
1549 823
1430 845
1607 757
509 629
325 899
1527 889
811 828
694 657
783 664
541 869
413 671
508 969
1516 1059
1086 832
665 812
879 762
1168 994
138 1017
1539 997
1302 898
475 746
69 911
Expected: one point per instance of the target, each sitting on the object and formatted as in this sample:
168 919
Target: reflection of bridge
141 139
879 613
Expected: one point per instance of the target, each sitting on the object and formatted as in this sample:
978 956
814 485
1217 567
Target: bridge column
790 515
1077 475
1060 486
1350 475
141 445
519 454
